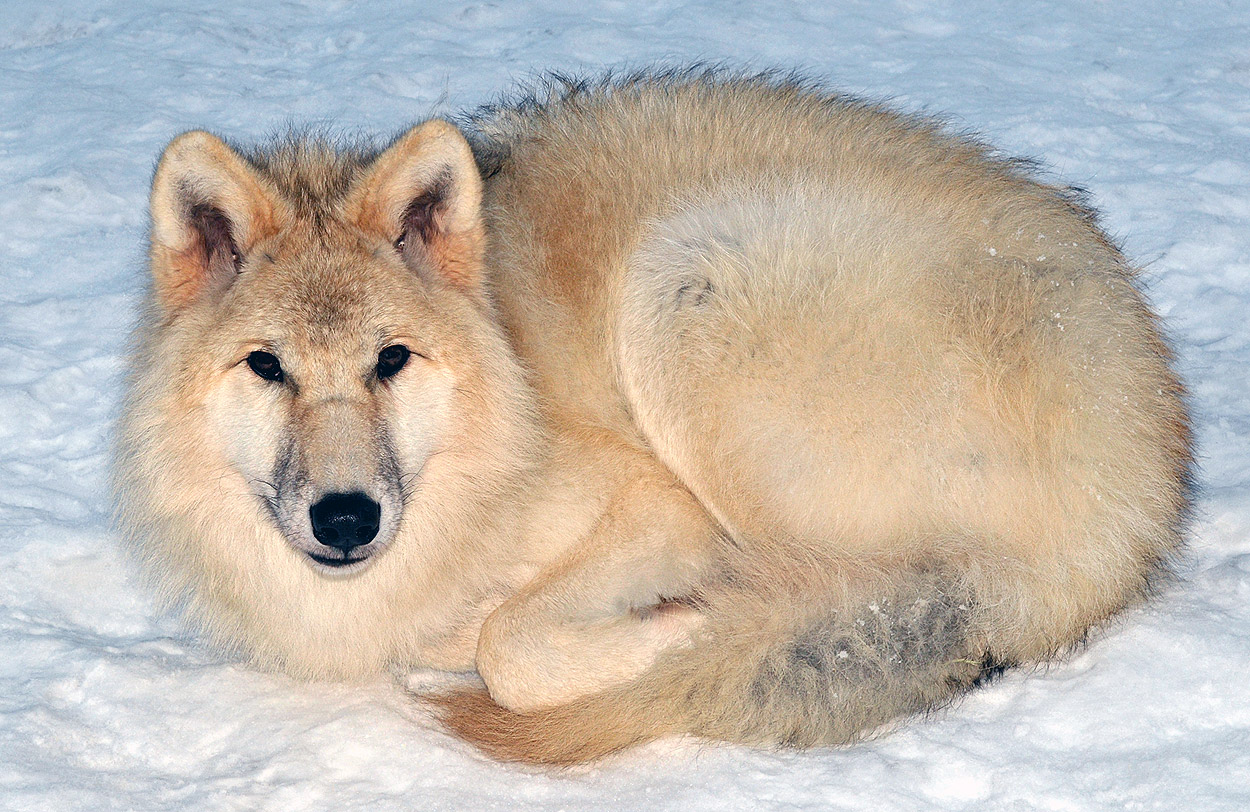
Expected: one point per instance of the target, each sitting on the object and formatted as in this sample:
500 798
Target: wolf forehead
323 291
325 297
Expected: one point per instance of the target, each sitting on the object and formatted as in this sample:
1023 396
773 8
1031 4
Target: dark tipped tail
872 652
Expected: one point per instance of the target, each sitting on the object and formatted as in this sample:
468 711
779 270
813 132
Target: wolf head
320 393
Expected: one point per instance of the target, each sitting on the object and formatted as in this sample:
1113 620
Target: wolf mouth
336 562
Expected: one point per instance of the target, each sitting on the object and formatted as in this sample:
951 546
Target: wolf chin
669 403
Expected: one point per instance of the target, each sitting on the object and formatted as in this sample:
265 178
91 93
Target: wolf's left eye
392 360
266 365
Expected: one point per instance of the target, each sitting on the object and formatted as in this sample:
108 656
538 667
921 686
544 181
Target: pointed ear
424 195
209 207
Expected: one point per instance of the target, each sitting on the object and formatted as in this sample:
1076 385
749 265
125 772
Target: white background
106 705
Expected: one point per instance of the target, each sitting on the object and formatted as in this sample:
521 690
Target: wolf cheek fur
734 408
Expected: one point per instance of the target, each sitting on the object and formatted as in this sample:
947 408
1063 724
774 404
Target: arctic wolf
680 403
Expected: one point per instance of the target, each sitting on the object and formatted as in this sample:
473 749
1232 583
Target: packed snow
107 704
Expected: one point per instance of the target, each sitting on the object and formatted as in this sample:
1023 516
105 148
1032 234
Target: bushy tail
869 650
583 730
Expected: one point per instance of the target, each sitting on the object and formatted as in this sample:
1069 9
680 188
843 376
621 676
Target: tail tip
562 736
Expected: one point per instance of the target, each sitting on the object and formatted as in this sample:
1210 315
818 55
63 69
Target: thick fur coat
726 406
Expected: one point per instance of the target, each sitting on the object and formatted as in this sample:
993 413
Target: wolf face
324 312
334 393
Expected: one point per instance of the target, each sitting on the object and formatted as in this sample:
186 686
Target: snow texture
106 704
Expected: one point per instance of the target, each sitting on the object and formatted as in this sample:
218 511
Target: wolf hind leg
782 372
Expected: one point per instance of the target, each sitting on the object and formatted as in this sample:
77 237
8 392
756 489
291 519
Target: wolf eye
266 365
391 360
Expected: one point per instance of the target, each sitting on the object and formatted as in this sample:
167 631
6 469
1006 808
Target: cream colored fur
745 411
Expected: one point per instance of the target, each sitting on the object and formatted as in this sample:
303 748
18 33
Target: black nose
345 520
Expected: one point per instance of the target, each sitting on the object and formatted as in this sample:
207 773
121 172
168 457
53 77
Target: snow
106 704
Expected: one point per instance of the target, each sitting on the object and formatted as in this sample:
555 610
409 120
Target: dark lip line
335 562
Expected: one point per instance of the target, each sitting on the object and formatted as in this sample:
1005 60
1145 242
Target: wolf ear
208 207
424 195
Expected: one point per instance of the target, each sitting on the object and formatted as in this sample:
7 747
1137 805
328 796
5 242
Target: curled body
728 407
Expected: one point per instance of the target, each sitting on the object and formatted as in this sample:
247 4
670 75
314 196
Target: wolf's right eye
392 360
266 365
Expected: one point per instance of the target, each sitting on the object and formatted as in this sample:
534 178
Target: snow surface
104 704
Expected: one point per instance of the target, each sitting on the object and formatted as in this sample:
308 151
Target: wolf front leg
601 614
